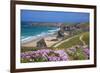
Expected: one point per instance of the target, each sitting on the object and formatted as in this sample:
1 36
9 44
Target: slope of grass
75 41
70 43
85 24
86 38
79 55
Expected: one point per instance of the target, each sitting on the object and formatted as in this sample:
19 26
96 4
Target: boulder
41 43
60 34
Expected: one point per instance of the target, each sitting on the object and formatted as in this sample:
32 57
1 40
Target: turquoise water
29 32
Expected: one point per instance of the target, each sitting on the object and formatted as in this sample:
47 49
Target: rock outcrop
60 34
41 43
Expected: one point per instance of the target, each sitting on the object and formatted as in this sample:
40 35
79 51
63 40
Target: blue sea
29 32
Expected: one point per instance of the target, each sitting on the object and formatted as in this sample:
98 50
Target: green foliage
25 49
24 60
72 42
76 32
38 59
75 41
79 54
85 24
86 38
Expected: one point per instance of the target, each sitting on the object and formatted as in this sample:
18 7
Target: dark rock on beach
60 34
41 43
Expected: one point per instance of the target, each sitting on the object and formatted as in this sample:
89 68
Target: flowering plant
44 55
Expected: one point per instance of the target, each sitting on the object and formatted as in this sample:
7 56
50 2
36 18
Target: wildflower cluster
44 55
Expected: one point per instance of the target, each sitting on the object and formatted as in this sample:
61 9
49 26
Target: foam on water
38 36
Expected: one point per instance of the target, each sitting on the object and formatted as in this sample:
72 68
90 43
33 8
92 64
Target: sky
54 16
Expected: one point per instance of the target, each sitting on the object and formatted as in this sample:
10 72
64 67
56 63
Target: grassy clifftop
75 40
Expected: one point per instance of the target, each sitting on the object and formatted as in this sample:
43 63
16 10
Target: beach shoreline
48 40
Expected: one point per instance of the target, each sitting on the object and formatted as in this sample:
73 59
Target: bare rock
41 43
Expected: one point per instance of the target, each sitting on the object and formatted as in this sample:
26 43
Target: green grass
85 24
72 42
75 41
25 49
79 55
33 60
86 38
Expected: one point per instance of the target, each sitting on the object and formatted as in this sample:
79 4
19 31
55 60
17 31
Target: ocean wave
37 37
52 31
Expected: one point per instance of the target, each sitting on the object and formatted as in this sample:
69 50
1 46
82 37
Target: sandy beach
50 40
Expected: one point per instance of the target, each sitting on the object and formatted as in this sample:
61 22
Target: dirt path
64 41
82 39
